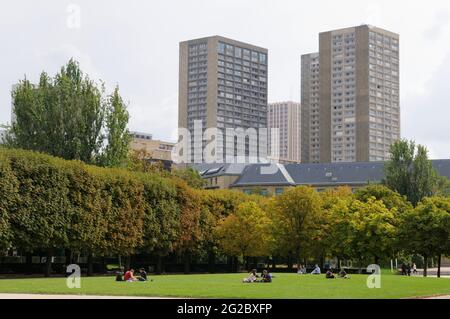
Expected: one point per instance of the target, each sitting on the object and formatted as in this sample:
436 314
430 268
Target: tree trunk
338 264
48 264
212 262
90 268
68 254
360 266
274 263
425 265
289 262
159 265
439 266
246 263
103 265
187 263
127 263
29 263
377 260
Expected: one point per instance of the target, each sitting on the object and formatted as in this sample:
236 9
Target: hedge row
48 203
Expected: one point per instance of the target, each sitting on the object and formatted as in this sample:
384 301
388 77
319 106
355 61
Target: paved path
438 297
36 296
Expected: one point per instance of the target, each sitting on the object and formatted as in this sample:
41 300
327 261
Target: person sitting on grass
343 274
266 277
129 276
301 270
142 275
316 270
251 278
119 276
329 274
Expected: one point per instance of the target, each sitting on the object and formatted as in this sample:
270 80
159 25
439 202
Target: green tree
65 116
410 173
8 196
363 229
117 148
425 230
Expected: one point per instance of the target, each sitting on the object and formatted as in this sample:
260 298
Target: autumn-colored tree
296 216
190 234
329 242
246 232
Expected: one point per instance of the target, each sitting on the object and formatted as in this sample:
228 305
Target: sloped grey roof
329 174
336 173
264 174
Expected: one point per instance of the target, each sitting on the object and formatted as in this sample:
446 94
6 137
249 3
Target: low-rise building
273 179
152 150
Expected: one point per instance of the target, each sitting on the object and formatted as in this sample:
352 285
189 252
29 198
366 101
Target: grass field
288 286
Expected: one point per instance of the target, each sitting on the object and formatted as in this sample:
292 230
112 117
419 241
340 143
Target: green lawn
290 286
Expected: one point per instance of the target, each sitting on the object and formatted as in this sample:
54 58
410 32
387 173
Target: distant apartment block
286 118
310 131
223 84
152 150
359 101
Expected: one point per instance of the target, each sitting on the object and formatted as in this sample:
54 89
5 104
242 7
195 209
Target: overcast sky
134 44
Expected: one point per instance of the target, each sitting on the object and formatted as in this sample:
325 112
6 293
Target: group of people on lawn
329 273
406 270
267 277
130 277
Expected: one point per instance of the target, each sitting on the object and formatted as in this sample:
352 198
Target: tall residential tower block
223 85
359 101
286 117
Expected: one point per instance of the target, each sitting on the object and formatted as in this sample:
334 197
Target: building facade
154 151
223 85
251 178
286 118
359 98
310 127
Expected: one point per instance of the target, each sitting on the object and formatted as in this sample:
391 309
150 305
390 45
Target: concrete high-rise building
310 131
359 101
286 117
223 84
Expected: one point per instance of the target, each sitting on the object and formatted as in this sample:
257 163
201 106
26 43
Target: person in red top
129 276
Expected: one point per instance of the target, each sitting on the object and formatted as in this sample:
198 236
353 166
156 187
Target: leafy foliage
66 116
410 173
